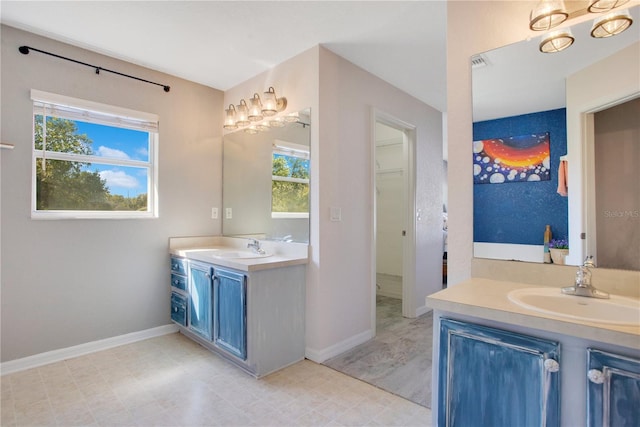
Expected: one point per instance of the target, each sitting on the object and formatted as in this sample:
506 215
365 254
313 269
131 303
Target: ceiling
223 43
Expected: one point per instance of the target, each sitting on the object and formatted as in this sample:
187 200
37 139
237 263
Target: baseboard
83 349
422 310
322 355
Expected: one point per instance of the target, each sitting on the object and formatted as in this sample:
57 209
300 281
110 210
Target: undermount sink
239 254
616 310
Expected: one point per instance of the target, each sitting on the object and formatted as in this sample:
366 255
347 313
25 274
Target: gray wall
69 282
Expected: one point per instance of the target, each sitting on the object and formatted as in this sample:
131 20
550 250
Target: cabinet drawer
179 265
178 281
179 308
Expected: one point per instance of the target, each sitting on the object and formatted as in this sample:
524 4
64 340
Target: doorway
393 224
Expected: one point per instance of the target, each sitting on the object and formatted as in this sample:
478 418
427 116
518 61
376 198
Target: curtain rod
25 50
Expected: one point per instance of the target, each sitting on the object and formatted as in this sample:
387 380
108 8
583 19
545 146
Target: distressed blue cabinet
230 312
179 308
200 298
492 377
613 390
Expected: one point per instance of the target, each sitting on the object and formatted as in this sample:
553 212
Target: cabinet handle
551 365
595 376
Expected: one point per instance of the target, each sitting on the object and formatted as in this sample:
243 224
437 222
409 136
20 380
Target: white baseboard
320 356
82 349
422 310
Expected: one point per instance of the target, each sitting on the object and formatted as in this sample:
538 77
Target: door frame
409 185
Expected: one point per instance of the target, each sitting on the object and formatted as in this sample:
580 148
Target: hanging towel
563 185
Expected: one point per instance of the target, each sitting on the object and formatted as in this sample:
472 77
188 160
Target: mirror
249 190
519 91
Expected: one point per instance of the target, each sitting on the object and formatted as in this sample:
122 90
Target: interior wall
69 282
539 204
472 27
341 310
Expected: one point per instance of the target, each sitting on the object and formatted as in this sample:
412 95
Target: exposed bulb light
242 113
255 110
547 14
230 118
611 24
556 41
272 104
599 6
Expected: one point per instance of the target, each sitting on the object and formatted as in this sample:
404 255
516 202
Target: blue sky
119 143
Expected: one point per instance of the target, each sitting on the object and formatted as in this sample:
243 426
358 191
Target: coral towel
563 186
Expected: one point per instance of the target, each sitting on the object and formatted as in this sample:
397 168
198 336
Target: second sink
616 310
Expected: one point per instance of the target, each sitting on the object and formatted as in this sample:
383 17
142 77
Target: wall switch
214 213
228 213
336 214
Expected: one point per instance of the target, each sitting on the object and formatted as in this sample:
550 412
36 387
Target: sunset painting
511 159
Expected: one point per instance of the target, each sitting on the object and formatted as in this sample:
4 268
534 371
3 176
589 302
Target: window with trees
92 160
290 181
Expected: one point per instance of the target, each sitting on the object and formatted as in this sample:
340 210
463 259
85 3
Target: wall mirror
265 180
518 92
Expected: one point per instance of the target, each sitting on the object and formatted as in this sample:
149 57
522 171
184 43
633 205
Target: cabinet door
491 377
613 390
200 295
230 312
179 308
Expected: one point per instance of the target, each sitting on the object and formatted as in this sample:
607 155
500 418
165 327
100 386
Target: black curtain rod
25 50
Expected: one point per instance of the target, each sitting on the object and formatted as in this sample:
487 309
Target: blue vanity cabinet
230 312
613 389
179 290
200 299
493 377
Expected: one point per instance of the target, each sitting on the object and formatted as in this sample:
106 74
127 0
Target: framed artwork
523 158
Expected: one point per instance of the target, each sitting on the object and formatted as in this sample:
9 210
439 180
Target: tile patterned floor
171 381
398 359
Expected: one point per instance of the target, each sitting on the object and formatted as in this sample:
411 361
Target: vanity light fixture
230 118
272 104
242 113
611 24
277 122
599 6
255 110
547 14
556 41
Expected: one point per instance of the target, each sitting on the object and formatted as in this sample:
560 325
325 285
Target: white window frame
66 107
292 150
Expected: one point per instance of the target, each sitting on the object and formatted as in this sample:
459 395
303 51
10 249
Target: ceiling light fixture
599 6
556 41
547 14
611 24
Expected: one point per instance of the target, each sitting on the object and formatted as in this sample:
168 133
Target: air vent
478 61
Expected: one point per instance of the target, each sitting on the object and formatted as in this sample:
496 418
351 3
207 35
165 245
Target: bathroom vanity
496 362
244 305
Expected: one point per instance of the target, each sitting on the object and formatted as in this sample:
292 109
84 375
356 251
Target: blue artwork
511 159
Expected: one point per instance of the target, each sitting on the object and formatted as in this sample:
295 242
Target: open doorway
393 261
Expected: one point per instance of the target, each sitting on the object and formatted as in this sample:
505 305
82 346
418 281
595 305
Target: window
290 180
92 160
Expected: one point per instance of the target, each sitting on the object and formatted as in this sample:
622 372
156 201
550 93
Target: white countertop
283 254
487 299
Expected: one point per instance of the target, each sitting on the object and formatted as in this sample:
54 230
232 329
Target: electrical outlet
214 213
228 213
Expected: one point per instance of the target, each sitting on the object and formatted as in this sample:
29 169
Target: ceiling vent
478 61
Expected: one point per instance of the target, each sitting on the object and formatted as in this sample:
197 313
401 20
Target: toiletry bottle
547 239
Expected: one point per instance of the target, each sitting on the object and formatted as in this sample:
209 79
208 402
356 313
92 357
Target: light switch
228 213
214 213
336 214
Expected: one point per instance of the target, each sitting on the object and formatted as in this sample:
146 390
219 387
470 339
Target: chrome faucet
255 246
583 287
